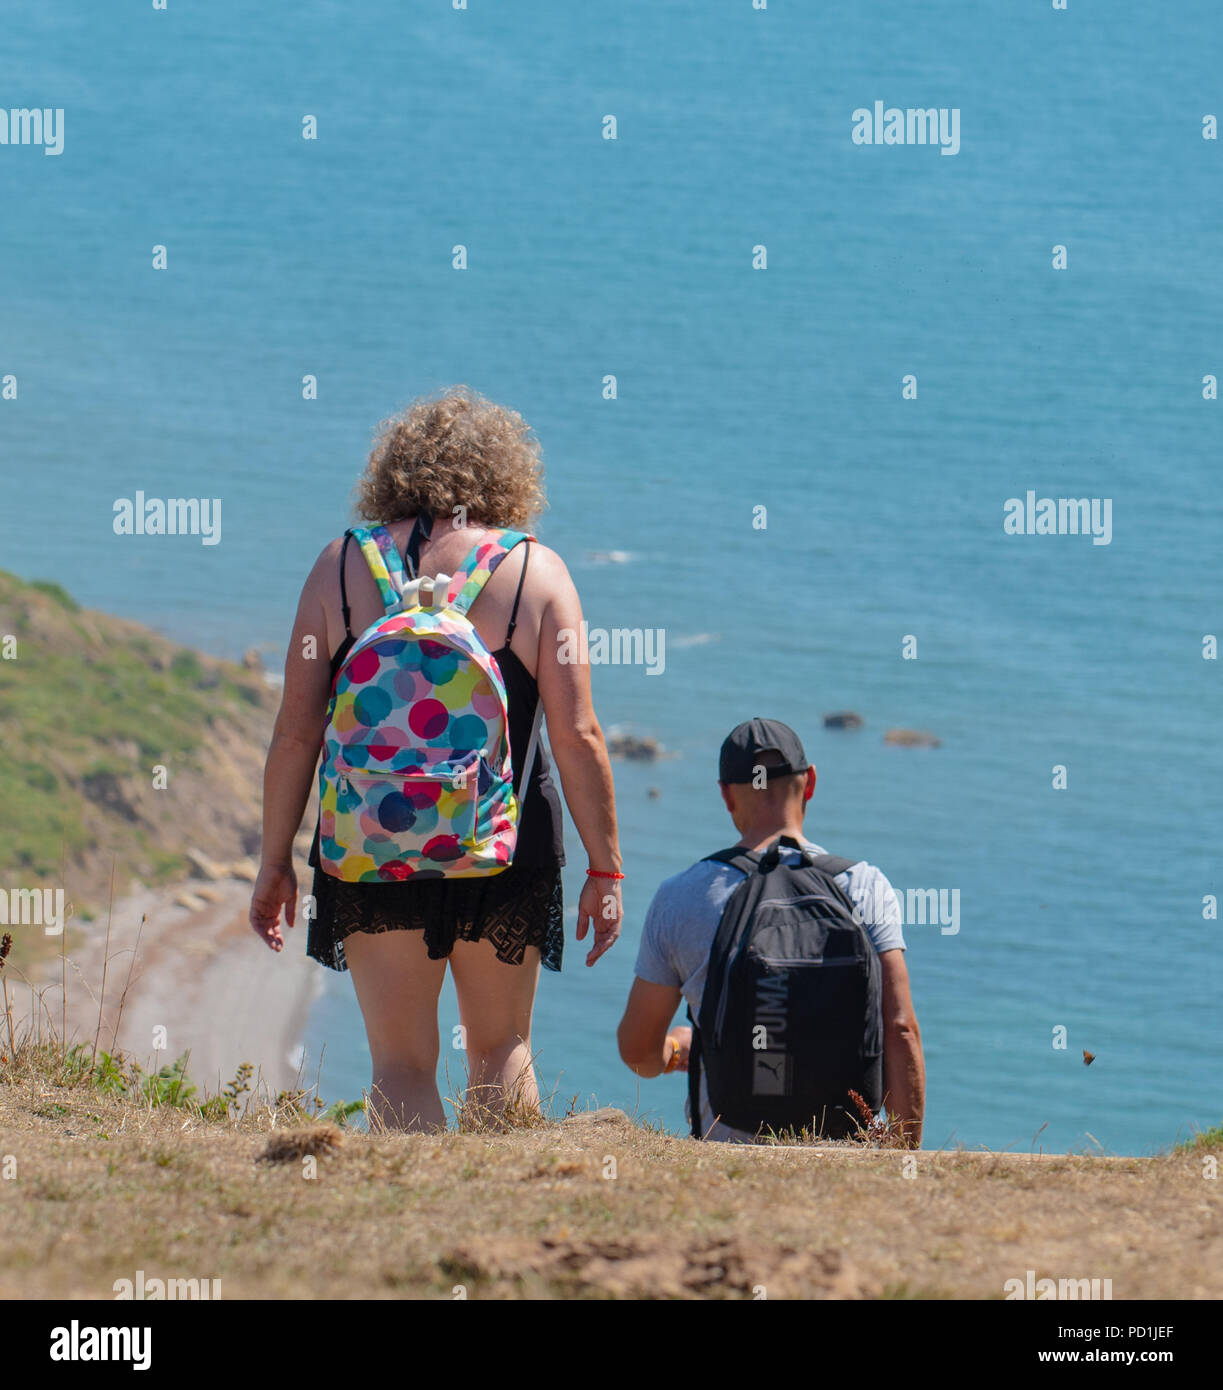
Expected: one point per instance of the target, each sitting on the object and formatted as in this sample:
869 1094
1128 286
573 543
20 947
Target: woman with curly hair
448 480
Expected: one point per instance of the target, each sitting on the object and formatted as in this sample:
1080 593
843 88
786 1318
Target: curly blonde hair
455 449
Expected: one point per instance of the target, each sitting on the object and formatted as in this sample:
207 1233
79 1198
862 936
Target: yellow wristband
674 1057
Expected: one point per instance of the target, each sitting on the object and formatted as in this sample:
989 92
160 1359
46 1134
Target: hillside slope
91 707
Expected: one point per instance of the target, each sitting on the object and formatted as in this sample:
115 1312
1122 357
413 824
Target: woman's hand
275 888
600 905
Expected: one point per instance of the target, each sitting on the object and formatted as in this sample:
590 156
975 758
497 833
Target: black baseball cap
741 752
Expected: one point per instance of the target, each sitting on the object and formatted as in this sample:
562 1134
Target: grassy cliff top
274 1205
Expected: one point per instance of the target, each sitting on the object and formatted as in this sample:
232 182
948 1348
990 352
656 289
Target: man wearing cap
766 782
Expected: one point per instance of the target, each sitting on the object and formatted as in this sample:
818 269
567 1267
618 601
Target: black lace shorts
521 906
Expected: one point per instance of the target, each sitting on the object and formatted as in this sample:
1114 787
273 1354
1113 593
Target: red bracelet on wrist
599 873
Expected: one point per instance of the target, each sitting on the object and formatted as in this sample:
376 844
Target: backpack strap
344 605
384 561
694 1079
831 864
524 772
745 860
748 860
478 567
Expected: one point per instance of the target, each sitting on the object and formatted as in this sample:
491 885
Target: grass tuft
292 1146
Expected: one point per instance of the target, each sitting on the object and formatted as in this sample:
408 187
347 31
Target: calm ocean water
737 389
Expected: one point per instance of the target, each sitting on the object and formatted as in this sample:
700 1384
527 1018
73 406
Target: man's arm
904 1070
642 1035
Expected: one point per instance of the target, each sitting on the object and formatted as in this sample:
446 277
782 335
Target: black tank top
540 825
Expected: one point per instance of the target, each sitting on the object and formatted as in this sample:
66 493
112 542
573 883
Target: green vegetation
119 1076
1205 1139
89 707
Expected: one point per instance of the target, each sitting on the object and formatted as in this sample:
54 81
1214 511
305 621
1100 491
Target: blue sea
737 389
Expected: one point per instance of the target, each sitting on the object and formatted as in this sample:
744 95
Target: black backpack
790 1018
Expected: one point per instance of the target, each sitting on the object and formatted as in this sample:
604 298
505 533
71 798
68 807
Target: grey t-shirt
682 922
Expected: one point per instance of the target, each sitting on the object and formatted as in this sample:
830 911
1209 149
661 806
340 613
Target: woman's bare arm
293 754
578 748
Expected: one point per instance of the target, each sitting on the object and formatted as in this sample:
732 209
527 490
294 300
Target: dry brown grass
594 1206
255 1191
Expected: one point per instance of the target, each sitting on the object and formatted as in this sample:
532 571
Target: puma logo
769 1075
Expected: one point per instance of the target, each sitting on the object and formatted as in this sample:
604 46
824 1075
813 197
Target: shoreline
197 972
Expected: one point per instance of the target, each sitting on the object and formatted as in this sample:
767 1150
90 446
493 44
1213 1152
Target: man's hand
275 888
645 1030
680 1040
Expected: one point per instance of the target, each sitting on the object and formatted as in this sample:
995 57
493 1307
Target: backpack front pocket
386 823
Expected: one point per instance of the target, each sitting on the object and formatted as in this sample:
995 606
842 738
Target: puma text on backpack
790 1017
416 779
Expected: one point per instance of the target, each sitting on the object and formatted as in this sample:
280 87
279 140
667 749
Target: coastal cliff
125 757
119 750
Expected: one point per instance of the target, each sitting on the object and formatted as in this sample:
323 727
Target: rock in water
639 750
911 738
843 719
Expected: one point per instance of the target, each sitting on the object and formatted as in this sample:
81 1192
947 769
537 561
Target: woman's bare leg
397 987
495 1003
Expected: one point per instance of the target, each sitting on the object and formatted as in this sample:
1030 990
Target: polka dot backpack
416 777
